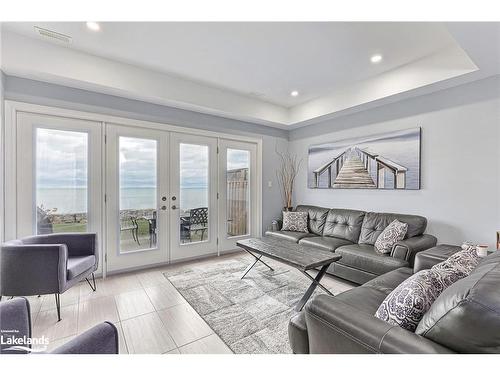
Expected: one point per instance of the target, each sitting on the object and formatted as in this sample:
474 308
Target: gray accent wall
460 161
42 93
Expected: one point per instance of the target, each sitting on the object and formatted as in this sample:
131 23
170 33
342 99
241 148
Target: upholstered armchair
48 264
15 329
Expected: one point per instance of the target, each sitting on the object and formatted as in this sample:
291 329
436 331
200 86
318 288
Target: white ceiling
264 59
264 62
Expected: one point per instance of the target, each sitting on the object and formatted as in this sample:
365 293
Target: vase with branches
286 174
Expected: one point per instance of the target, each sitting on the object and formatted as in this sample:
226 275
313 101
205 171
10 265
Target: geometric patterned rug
249 315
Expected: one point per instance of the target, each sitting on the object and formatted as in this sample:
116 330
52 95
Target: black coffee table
301 257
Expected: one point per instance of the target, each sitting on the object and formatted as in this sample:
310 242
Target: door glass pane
138 192
238 194
193 200
61 181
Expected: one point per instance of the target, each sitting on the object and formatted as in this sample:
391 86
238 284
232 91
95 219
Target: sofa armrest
336 327
407 249
33 269
15 322
428 258
279 223
101 339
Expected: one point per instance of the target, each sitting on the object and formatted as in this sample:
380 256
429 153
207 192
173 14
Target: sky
61 158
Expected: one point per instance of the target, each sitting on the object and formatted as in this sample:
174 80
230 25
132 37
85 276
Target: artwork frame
383 161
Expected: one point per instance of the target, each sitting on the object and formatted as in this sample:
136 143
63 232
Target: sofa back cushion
345 224
375 222
466 316
317 218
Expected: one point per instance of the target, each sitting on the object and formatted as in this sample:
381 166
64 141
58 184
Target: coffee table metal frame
315 281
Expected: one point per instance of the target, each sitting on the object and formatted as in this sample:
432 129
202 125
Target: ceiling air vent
52 35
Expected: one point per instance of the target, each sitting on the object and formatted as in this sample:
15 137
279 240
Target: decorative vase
287 209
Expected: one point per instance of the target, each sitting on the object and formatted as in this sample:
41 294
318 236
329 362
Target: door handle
174 207
163 208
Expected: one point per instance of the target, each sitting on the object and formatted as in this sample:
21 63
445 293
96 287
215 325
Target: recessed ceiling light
376 59
294 93
94 26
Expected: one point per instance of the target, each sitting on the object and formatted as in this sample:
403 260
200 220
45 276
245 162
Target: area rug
249 315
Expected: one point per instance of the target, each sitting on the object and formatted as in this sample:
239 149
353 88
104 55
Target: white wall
36 92
2 79
460 161
460 151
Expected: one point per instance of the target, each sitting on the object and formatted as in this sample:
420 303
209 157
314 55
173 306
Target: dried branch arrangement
286 174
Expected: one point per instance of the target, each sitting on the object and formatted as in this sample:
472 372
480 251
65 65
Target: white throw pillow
295 221
393 233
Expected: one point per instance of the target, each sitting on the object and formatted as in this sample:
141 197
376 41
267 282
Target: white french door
237 192
58 175
193 196
136 197
153 194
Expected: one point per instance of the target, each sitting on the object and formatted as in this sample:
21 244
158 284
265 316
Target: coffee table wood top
294 254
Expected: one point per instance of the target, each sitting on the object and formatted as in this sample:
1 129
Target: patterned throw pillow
406 305
393 233
295 221
463 261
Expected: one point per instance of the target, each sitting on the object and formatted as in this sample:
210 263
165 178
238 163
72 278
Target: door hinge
217 149
106 258
217 195
105 198
105 139
217 240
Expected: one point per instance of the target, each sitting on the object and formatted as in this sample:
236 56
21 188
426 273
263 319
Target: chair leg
93 282
58 305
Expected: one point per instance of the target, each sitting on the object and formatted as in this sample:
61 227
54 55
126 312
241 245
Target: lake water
74 200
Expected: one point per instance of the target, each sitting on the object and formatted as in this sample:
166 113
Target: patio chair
15 324
48 264
152 229
130 224
196 221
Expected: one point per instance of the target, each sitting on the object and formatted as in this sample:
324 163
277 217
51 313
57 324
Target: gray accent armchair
15 323
48 264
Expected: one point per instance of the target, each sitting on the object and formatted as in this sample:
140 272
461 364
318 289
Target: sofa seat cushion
288 235
78 265
365 257
324 243
369 296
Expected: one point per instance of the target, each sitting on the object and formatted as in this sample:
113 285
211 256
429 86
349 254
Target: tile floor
151 315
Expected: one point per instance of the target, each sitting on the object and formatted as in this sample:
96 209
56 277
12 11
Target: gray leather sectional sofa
465 318
353 233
